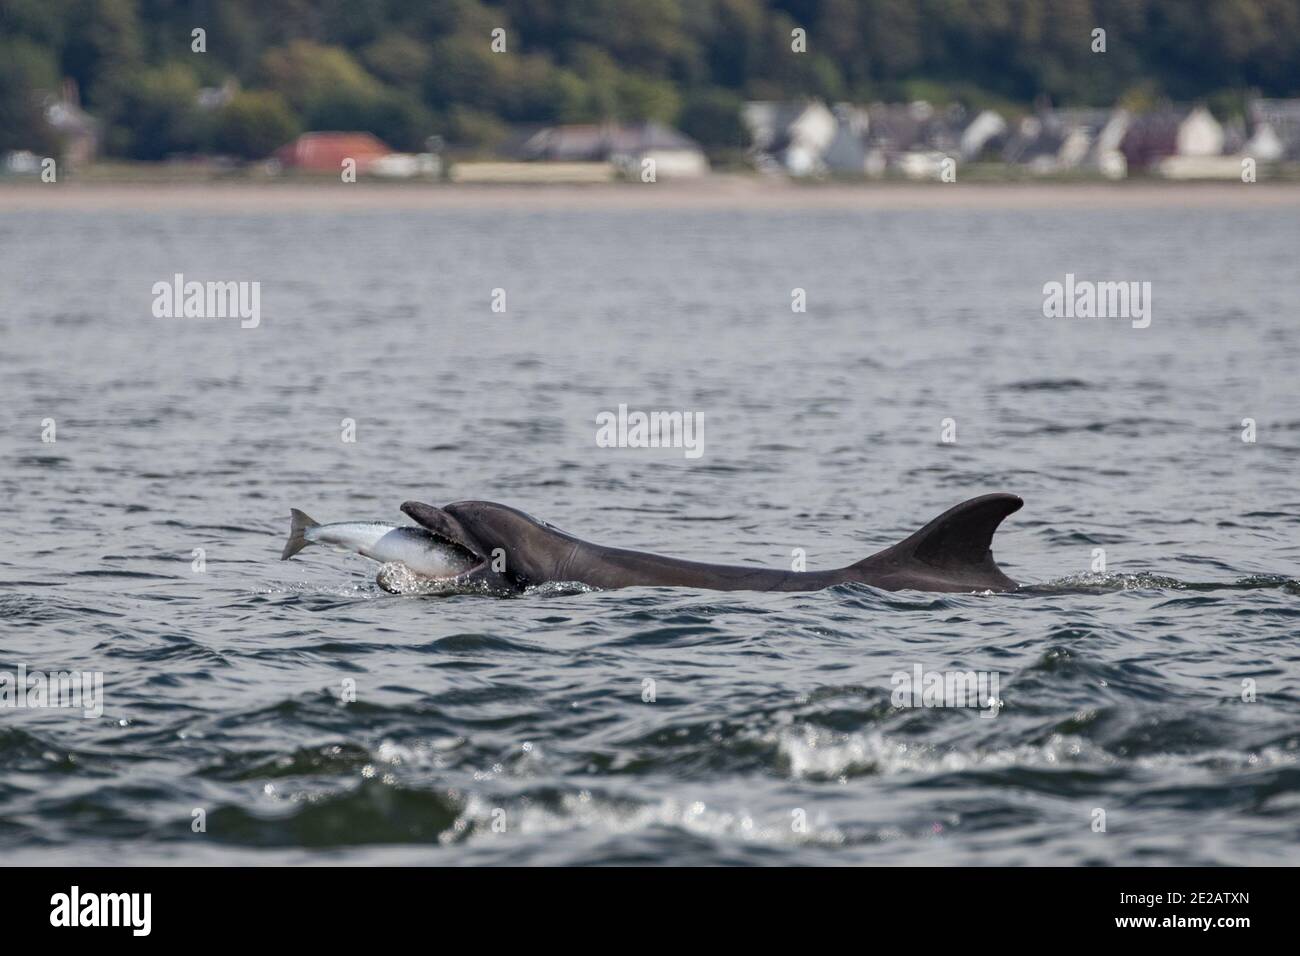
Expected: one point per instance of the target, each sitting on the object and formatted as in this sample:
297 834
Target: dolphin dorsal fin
952 552
963 535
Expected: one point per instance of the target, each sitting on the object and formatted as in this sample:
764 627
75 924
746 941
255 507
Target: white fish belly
415 548
421 552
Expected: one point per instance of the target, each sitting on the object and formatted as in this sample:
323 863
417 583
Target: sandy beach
715 192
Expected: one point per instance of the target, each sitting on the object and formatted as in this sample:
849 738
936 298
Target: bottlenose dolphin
514 551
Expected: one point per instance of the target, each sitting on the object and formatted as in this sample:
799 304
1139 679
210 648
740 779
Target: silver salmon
419 550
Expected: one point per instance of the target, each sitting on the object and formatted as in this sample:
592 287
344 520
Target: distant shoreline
721 192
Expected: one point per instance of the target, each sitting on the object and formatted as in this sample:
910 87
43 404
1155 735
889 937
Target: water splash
1096 582
1101 582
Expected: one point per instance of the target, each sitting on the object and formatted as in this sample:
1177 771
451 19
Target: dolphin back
951 553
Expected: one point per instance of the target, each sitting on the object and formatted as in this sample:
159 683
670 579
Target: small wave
560 588
329 760
588 811
814 753
377 811
41 461
304 589
1049 385
23 751
1099 582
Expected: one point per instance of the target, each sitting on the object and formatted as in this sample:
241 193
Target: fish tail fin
298 527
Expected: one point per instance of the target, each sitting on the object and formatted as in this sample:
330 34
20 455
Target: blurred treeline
404 69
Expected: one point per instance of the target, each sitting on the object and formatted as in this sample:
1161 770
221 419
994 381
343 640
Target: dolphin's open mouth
460 550
446 526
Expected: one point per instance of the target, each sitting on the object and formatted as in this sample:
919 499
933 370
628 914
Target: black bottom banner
331 905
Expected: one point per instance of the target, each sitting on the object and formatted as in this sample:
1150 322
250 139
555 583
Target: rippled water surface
516 730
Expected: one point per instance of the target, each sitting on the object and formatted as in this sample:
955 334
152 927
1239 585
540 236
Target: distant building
846 154
810 139
792 137
1054 141
77 131
1172 131
984 132
407 166
21 162
896 128
915 138
215 97
1274 131
627 146
325 152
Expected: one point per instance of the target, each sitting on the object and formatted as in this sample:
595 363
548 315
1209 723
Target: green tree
393 67
463 71
474 128
318 81
254 124
400 120
102 49
158 114
712 118
397 60
646 98
25 69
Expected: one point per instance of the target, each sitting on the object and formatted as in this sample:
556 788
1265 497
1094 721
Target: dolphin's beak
444 526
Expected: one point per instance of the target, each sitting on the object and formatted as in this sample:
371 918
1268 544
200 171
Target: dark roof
1045 133
1152 136
897 127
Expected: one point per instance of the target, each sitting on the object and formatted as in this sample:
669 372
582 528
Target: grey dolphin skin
516 551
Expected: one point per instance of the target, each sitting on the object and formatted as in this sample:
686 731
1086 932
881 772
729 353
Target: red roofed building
325 152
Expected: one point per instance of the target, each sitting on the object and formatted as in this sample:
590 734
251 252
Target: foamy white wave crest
400 579
560 587
586 811
425 753
335 590
813 753
1262 759
1106 581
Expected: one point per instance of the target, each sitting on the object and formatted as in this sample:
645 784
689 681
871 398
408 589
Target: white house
793 135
